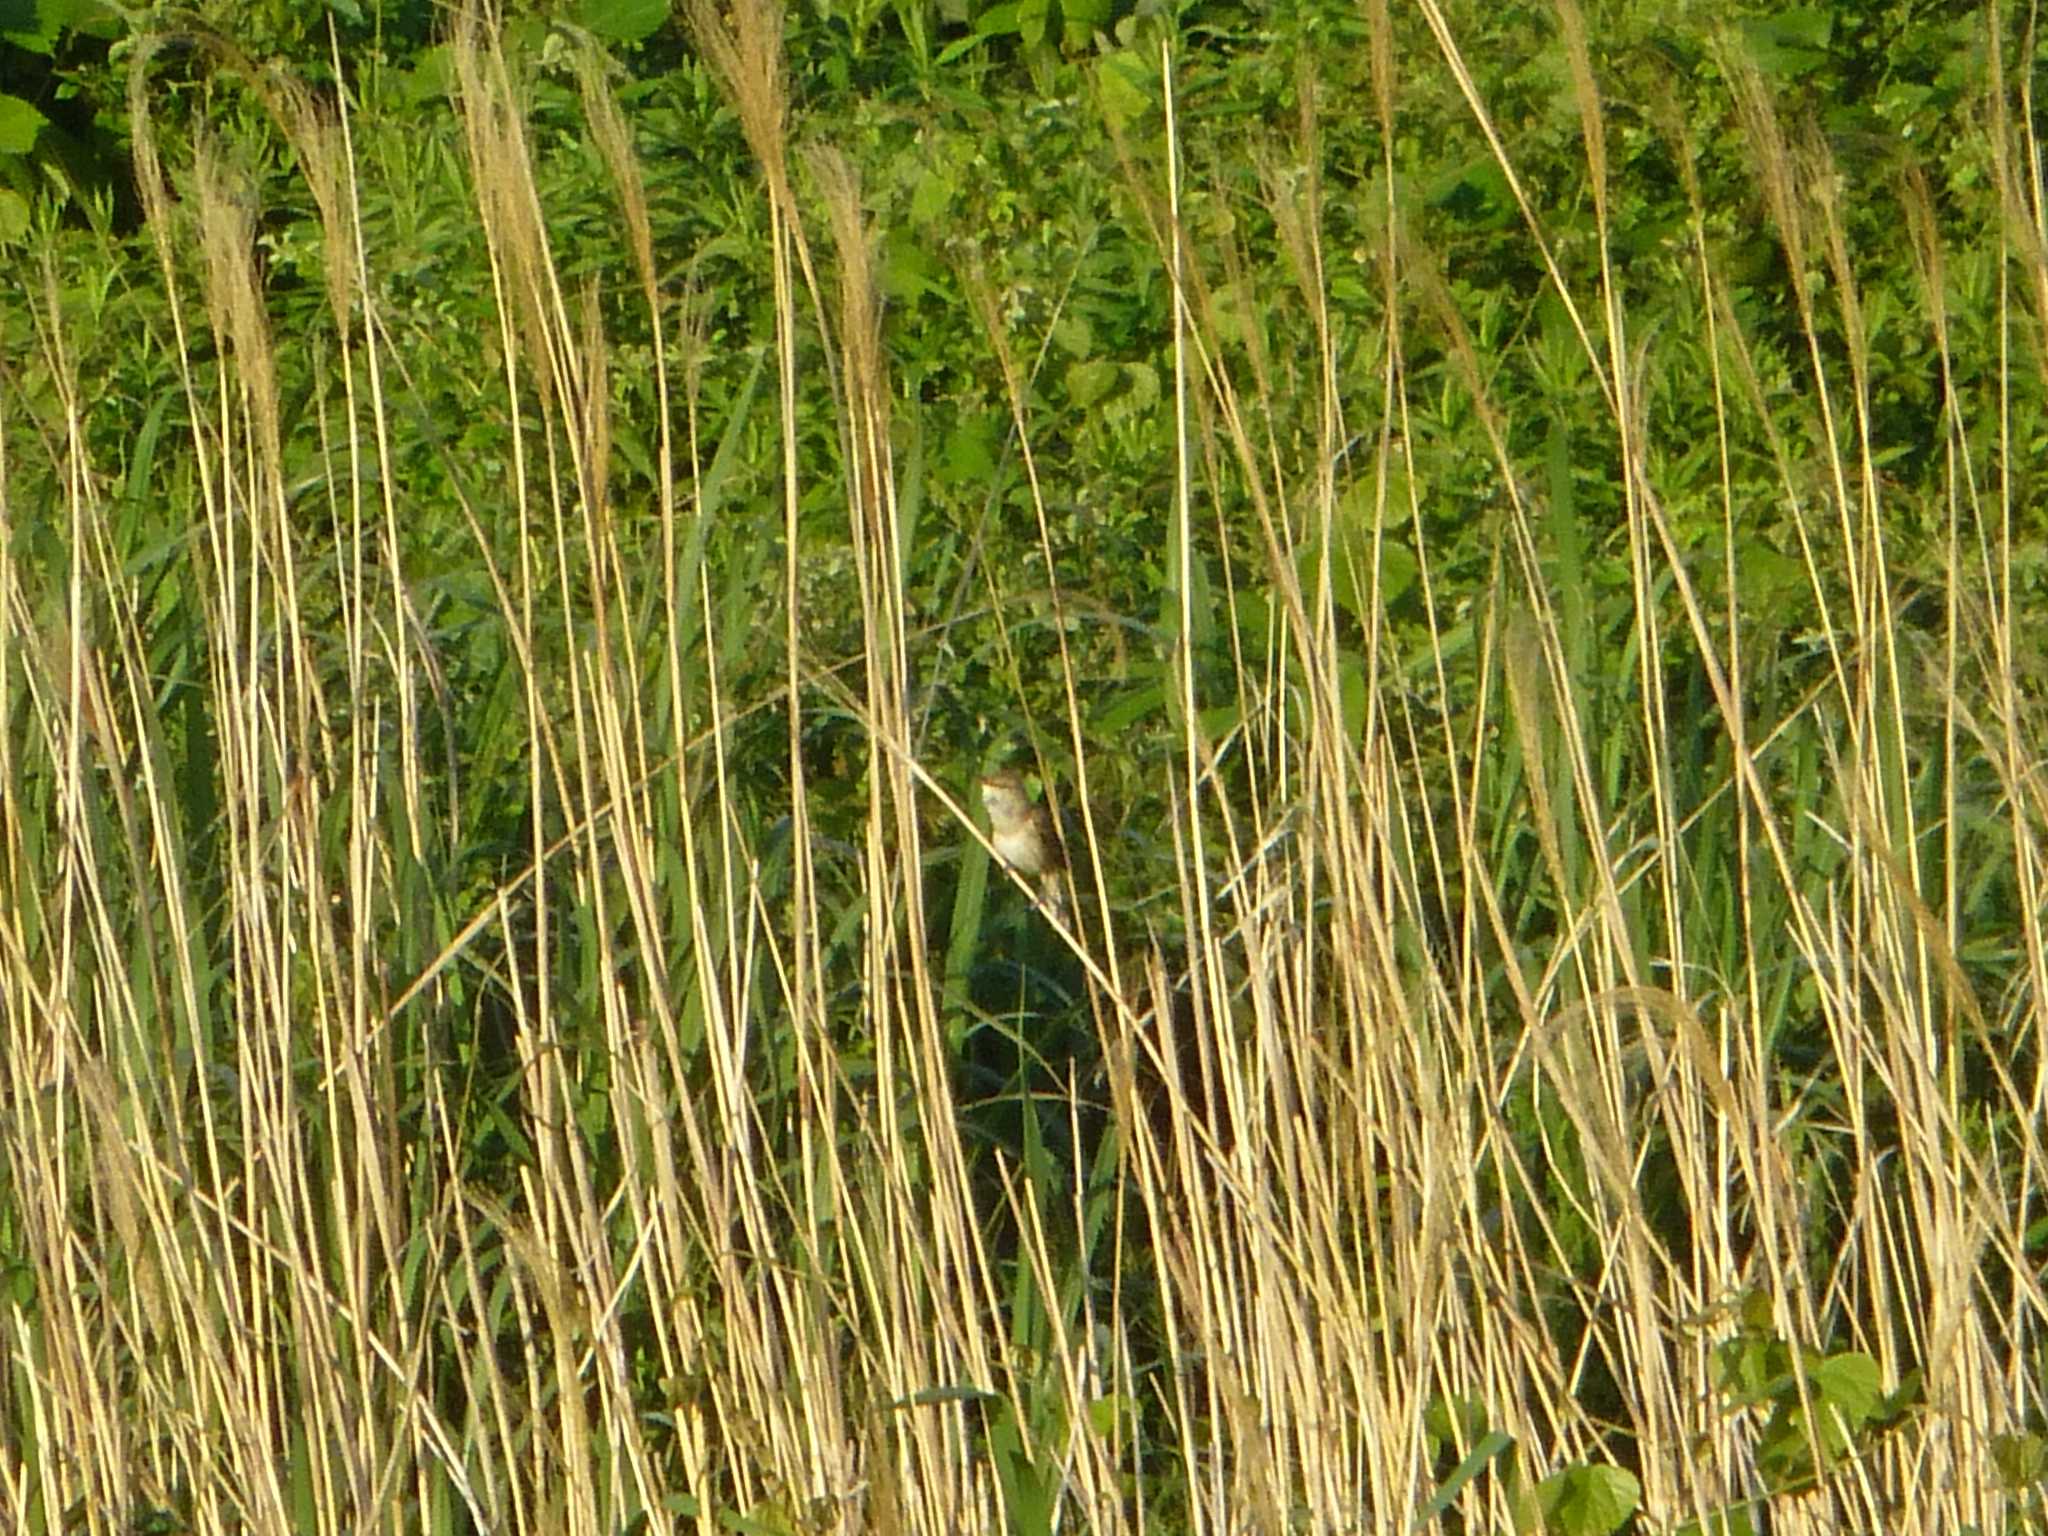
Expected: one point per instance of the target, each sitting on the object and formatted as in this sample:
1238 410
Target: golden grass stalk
1384 1153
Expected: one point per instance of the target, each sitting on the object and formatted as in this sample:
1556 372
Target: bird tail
1054 891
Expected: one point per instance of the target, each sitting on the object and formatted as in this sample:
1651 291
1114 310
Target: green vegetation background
1012 164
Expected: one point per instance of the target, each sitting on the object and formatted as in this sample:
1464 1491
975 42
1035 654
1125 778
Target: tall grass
1561 1059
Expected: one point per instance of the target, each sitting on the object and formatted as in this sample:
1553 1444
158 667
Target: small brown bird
1024 834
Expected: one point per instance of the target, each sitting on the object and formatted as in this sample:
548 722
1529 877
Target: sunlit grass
512 1076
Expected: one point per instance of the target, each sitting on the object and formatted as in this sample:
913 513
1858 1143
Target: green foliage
1584 1499
44 160
1819 1409
624 21
2022 1462
1587 1500
1448 499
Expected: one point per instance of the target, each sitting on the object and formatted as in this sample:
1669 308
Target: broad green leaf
1251 615
1126 709
1851 1384
26 25
1219 720
35 25
625 21
1240 311
1476 193
1139 394
1128 86
432 76
931 196
1790 42
909 271
1027 1489
1091 382
2021 1460
1767 579
20 124
1588 1500
1033 18
1351 571
1076 337
969 456
996 21
1909 1394
1758 1315
770 1517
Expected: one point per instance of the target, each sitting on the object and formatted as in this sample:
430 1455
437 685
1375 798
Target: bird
1024 835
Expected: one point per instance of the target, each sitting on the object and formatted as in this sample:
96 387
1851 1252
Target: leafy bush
1506 538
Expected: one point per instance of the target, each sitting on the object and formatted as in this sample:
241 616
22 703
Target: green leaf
1351 562
142 456
931 197
1757 1314
20 124
431 78
1251 615
1219 720
1477 193
2021 1460
1139 394
1105 1414
1091 382
1785 1450
1851 1384
969 456
1790 43
999 20
1027 1489
1767 579
1911 1393
1240 311
1033 18
1128 86
770 1517
1147 701
34 25
625 21
1076 337
909 271
1589 1500
996 21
